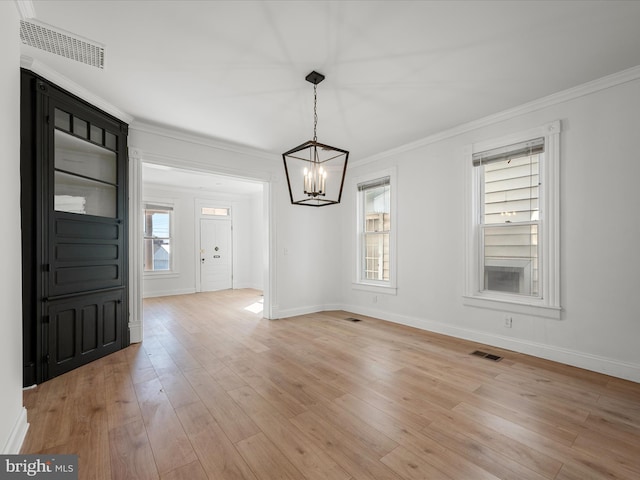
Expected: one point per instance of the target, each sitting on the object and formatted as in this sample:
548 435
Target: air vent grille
488 356
62 43
352 319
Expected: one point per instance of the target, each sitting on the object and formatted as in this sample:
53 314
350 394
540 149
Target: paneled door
216 261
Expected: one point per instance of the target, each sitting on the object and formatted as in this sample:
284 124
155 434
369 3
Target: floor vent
351 319
486 355
60 42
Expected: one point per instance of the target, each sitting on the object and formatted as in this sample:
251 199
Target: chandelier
315 171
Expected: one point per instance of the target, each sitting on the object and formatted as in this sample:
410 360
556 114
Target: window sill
512 306
369 287
161 274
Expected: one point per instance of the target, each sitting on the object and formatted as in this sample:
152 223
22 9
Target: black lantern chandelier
315 171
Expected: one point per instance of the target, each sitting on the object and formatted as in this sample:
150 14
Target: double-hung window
510 217
157 238
513 247
375 234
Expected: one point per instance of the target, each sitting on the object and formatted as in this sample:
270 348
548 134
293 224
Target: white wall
247 239
12 415
600 228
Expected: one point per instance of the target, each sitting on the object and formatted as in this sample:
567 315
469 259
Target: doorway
189 191
216 255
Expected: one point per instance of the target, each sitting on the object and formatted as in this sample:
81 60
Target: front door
215 255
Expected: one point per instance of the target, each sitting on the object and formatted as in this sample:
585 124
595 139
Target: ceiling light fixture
315 171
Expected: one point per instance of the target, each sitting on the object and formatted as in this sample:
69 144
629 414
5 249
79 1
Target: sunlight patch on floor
256 307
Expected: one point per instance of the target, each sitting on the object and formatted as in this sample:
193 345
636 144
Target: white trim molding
358 283
609 81
17 435
548 303
594 363
61 81
203 140
26 8
135 246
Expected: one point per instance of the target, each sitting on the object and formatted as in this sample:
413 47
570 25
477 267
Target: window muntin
510 220
157 238
375 230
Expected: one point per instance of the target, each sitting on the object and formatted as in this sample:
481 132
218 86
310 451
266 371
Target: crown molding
588 88
60 80
26 8
203 140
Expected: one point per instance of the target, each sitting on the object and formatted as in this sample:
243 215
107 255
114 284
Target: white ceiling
396 71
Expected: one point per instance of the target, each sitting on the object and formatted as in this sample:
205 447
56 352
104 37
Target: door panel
85 254
82 329
215 255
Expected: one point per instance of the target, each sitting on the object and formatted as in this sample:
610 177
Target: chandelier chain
315 112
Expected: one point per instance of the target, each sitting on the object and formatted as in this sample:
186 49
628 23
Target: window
375 226
510 217
512 252
157 238
215 211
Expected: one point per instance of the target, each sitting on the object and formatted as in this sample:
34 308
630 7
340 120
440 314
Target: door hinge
46 358
46 319
46 267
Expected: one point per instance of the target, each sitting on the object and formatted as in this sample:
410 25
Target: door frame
136 157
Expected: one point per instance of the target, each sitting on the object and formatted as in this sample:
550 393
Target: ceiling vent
59 42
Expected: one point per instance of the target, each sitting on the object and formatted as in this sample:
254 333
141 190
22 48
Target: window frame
170 208
547 304
359 282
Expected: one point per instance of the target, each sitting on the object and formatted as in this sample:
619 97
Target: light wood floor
217 392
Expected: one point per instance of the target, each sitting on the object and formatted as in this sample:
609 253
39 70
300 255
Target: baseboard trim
587 361
294 312
169 293
135 332
17 435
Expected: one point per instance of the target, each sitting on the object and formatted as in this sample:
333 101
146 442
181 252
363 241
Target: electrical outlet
508 321
375 299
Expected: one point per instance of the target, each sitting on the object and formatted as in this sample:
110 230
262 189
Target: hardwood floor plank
359 431
411 466
169 443
178 389
121 400
266 460
546 447
313 462
479 453
217 455
130 452
193 471
351 455
508 445
231 418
